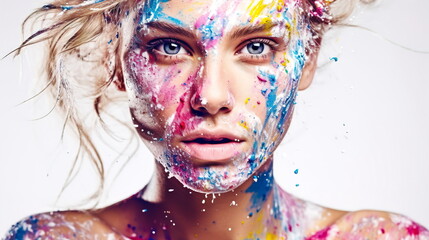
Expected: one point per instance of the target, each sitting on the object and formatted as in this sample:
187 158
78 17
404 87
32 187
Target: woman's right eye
169 47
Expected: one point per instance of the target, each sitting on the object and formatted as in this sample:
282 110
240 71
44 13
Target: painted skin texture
211 88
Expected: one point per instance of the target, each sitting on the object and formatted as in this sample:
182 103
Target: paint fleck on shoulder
377 225
59 225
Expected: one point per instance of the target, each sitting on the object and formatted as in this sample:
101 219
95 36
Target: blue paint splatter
335 59
23 228
261 189
296 171
152 11
209 30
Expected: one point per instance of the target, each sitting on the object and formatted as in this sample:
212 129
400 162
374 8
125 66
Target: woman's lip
212 145
211 135
208 152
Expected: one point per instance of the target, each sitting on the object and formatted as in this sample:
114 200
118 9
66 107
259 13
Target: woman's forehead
194 13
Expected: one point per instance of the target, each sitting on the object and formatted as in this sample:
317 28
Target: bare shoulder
61 225
367 224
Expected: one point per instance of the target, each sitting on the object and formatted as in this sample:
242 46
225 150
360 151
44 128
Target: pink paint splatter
320 235
414 229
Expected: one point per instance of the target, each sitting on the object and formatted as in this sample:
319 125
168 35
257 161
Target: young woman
211 88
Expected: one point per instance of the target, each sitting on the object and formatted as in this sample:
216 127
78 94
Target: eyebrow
171 28
236 33
248 30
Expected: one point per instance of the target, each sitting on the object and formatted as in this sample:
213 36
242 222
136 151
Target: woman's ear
309 70
119 80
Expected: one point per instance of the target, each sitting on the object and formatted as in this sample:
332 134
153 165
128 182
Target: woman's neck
258 208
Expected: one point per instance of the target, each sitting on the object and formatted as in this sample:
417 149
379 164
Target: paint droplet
243 124
171 190
229 229
261 79
144 210
247 101
255 178
204 201
335 59
296 185
296 171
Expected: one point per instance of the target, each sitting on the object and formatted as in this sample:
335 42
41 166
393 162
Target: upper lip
215 136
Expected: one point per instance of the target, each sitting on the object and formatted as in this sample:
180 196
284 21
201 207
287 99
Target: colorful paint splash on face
152 11
218 73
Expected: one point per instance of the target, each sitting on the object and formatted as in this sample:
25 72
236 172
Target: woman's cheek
154 91
152 81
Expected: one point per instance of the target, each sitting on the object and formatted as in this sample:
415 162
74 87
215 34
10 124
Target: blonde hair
87 31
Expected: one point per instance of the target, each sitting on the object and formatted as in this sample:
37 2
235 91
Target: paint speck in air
144 210
229 229
297 185
255 178
170 190
296 171
335 59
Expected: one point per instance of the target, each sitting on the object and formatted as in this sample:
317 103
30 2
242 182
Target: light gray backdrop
360 137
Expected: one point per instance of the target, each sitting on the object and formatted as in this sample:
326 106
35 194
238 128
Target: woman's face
212 84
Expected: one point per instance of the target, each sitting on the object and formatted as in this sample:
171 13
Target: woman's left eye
257 47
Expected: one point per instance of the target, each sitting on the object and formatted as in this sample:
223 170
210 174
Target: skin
205 81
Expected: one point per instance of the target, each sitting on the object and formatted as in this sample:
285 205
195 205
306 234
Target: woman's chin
212 178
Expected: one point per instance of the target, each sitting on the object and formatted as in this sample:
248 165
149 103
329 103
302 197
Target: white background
360 137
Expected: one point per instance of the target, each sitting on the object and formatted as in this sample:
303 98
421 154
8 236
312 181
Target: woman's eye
258 47
255 48
172 48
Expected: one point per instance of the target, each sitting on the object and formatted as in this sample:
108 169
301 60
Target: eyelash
154 46
257 58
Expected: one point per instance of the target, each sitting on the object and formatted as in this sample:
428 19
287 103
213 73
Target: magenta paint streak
320 235
262 79
414 229
147 76
184 120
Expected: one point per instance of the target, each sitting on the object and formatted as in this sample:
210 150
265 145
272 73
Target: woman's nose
212 93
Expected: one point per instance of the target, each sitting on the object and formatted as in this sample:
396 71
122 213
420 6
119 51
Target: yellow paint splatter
243 124
247 100
271 236
256 7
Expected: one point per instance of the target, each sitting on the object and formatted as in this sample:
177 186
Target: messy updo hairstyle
83 61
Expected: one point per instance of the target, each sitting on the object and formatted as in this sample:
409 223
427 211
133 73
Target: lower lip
212 152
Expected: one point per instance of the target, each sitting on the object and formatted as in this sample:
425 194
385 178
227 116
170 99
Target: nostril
224 109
